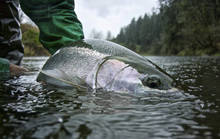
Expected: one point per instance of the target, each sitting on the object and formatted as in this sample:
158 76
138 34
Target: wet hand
17 70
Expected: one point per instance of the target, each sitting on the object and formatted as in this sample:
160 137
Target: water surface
31 110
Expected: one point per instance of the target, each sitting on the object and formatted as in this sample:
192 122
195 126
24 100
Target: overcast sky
110 15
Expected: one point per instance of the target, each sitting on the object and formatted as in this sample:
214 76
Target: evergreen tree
181 27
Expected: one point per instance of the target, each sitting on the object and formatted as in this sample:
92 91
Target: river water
30 110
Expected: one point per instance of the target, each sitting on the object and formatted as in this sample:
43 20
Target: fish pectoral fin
62 76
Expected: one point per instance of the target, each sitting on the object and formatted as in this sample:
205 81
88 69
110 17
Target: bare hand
16 70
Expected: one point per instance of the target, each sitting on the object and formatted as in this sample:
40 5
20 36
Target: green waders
56 19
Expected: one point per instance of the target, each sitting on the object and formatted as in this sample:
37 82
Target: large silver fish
102 64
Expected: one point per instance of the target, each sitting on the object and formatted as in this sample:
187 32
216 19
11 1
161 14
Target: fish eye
152 81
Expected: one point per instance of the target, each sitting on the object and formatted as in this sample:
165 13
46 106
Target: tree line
179 27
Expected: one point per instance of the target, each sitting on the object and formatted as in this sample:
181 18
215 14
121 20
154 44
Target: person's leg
57 21
11 46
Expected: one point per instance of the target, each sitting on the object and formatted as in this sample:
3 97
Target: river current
30 110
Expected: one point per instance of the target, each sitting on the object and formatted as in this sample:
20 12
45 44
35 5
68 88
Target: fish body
101 64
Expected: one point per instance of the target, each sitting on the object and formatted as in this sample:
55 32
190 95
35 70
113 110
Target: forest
178 27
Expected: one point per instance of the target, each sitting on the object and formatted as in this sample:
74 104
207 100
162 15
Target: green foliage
30 38
141 34
181 27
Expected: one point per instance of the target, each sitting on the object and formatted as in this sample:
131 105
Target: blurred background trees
179 27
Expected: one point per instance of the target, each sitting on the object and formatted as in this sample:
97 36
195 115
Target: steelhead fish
102 64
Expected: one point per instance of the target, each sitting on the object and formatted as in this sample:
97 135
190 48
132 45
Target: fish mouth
145 90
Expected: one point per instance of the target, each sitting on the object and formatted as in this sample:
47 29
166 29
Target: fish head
151 75
157 81
156 78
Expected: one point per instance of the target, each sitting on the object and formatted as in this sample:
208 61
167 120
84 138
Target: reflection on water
30 110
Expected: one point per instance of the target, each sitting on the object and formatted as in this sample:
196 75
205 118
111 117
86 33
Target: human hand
17 70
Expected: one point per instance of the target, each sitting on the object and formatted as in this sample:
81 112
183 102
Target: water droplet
60 120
